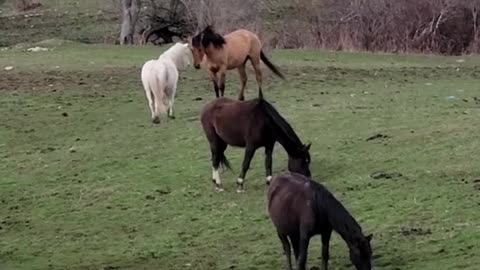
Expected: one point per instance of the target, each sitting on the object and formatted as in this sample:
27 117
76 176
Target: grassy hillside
87 182
82 21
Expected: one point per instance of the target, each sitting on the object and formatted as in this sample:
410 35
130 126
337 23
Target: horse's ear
307 147
369 237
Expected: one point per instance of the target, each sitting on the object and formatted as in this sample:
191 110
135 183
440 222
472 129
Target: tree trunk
130 11
475 25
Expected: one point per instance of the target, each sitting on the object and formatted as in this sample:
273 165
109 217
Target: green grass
85 21
103 188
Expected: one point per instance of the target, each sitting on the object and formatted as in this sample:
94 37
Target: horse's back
233 121
212 108
290 202
148 72
242 43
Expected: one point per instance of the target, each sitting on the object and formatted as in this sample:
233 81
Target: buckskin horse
227 52
250 124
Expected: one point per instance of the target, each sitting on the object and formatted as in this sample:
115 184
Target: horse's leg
217 148
268 162
325 248
151 104
170 107
170 101
150 97
243 80
213 78
170 110
172 90
249 152
258 75
221 80
286 249
302 252
294 238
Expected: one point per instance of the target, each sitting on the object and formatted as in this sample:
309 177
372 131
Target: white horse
160 77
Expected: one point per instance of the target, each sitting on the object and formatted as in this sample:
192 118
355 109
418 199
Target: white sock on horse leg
269 178
216 176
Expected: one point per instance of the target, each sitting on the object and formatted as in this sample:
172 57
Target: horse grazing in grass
250 124
228 52
301 208
160 78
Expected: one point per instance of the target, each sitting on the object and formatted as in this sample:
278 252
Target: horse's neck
342 222
215 56
169 58
291 147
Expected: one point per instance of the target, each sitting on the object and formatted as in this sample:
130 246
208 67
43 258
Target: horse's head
300 163
180 54
361 253
186 55
197 50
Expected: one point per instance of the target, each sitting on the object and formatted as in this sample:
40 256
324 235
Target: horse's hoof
171 117
241 98
240 190
268 180
219 189
156 120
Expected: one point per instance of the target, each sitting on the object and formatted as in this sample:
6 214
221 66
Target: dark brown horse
227 52
250 124
301 208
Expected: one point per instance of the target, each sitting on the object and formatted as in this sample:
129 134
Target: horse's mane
178 53
173 51
208 36
338 216
280 122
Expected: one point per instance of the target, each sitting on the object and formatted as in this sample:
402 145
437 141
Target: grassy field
87 182
87 21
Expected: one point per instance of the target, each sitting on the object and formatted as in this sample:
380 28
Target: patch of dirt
56 80
377 136
386 175
476 186
415 231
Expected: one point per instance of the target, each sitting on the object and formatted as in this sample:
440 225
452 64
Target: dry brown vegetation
439 26
436 26
430 26
24 5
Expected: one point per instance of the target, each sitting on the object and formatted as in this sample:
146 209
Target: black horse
301 208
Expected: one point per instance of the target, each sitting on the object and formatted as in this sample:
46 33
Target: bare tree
163 20
130 13
225 15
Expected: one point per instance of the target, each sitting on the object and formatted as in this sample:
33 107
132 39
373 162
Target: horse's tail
158 91
224 161
271 66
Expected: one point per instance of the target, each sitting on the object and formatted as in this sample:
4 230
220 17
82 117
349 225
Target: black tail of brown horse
224 161
271 66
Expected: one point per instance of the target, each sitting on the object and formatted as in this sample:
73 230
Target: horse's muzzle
197 66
